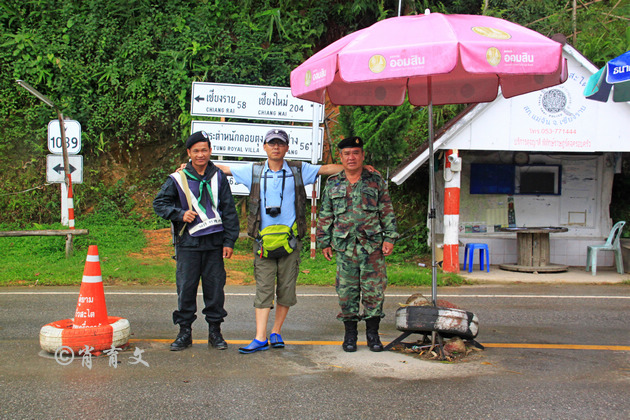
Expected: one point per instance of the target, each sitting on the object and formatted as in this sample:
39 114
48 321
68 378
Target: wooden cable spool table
533 250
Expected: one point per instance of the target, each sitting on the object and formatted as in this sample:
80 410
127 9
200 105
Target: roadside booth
543 159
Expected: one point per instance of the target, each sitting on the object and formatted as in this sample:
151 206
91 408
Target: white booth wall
582 207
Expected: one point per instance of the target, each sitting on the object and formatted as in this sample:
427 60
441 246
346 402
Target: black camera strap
281 192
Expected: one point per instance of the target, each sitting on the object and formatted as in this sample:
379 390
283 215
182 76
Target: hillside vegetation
124 71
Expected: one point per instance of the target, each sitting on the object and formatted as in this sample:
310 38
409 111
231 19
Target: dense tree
124 70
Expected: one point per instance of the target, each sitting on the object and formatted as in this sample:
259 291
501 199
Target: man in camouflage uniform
357 220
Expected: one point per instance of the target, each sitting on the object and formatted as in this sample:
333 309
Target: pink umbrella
434 59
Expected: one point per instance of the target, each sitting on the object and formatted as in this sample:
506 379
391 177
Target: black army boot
350 338
371 333
215 339
183 340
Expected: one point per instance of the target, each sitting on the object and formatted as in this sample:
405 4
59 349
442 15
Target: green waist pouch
277 241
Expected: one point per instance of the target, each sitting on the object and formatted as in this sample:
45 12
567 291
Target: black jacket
167 205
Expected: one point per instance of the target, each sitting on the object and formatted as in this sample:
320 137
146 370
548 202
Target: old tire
60 333
448 322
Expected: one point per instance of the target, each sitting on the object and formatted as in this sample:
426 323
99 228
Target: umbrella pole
432 206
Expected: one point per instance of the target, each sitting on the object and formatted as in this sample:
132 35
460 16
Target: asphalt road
538 363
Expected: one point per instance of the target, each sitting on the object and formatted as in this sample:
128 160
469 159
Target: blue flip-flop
276 341
254 346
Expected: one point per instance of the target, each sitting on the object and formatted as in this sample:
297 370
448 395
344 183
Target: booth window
515 179
491 179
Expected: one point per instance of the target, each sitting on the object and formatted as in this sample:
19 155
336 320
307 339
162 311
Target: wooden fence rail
68 233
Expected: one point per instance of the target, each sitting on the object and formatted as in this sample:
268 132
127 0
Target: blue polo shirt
243 175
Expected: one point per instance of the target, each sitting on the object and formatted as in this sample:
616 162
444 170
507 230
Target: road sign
73 137
55 172
240 189
246 140
250 102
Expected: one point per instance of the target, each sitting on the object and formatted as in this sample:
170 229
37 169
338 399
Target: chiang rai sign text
246 140
249 102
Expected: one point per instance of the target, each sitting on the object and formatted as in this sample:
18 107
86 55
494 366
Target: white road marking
335 295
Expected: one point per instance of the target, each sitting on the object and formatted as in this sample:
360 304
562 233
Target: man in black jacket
199 203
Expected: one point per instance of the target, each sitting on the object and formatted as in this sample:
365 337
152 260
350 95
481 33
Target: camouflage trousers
361 278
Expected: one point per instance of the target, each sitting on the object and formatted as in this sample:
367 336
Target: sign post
64 136
68 178
246 140
317 111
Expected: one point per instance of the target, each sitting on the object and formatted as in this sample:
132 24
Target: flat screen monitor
537 179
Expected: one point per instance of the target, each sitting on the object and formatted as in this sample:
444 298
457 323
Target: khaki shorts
283 270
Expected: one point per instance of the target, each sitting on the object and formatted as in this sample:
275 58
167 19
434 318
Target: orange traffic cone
91 309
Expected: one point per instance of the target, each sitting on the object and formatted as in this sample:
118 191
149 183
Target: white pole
64 204
452 183
314 158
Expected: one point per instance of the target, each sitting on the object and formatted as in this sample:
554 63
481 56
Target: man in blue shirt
275 200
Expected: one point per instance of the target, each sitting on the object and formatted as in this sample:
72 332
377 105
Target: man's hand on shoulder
371 168
226 169
333 168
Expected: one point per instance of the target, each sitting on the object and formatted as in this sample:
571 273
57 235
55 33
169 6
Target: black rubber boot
350 338
183 340
371 333
215 339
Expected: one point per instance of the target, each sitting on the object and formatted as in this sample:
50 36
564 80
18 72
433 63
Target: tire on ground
448 322
60 333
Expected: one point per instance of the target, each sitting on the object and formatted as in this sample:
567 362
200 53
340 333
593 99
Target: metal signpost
67 203
72 133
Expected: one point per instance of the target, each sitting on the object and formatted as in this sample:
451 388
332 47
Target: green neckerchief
202 183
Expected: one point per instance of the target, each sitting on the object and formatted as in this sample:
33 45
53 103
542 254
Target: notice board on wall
491 179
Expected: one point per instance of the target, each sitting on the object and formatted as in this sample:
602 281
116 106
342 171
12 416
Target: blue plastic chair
613 244
469 252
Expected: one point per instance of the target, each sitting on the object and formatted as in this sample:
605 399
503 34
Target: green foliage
381 129
601 27
411 205
411 275
124 70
